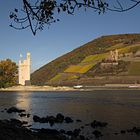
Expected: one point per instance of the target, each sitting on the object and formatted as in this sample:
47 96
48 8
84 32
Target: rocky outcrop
59 118
15 110
96 124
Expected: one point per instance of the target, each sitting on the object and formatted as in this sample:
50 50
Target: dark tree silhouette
38 13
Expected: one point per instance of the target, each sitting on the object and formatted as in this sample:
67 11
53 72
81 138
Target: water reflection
121 109
20 100
23 100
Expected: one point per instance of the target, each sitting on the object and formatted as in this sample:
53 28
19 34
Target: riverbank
74 88
14 129
38 88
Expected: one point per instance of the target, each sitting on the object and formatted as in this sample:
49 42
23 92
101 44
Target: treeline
8 73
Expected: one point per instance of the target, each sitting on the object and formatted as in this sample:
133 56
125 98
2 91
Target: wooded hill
84 64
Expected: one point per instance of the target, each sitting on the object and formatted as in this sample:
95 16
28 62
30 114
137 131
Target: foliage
8 73
112 69
55 78
63 77
131 48
134 68
135 48
71 77
117 46
80 55
79 68
94 58
38 13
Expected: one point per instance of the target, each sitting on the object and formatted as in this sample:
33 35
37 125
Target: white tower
116 55
24 71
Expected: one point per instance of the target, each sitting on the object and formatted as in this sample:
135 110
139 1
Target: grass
86 64
55 78
131 48
79 68
71 77
134 68
117 46
96 57
64 77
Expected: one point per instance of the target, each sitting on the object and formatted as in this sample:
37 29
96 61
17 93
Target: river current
119 108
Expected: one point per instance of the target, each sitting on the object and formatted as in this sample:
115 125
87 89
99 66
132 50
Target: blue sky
61 37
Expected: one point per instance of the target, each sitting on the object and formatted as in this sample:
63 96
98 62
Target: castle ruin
111 60
113 55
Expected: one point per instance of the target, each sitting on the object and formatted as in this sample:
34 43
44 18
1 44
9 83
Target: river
119 108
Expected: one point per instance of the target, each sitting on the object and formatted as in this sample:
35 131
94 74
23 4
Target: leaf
58 9
16 10
79 6
11 16
71 8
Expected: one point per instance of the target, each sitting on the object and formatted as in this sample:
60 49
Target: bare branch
39 13
28 16
121 9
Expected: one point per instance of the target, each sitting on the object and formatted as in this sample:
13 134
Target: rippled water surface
120 108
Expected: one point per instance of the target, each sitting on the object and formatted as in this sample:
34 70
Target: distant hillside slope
82 62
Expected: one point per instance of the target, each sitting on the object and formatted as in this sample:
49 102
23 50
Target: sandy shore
66 88
38 88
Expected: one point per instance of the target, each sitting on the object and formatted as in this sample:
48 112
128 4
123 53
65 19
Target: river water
120 108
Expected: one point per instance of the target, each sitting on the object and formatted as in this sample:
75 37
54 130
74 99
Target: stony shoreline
66 88
15 129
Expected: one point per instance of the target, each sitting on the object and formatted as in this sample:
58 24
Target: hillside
84 64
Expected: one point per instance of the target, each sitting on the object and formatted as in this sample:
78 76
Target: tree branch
44 12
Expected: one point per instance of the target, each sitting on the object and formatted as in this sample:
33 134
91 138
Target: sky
62 37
